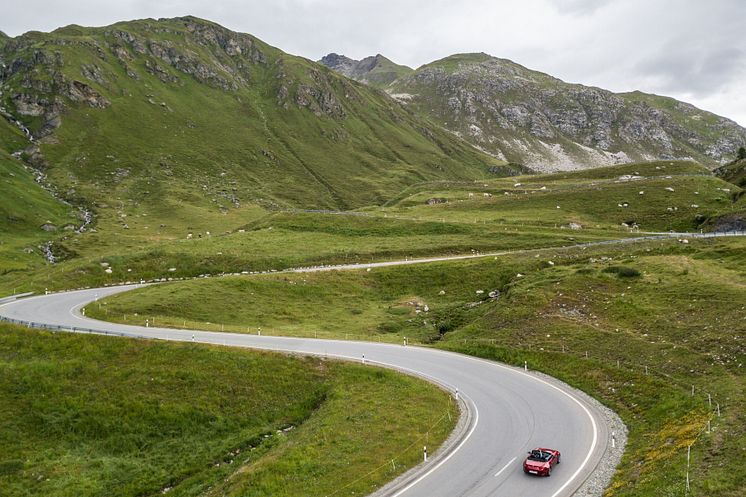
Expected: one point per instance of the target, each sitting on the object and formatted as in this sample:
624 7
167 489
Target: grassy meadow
92 415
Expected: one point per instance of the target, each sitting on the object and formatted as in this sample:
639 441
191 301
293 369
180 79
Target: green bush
623 271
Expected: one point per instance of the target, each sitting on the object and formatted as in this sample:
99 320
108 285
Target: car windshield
538 455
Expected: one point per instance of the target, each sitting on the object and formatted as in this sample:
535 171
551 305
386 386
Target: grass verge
91 415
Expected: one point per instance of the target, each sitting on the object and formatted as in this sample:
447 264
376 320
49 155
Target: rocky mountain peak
375 70
340 63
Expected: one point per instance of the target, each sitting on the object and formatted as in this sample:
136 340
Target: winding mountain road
507 410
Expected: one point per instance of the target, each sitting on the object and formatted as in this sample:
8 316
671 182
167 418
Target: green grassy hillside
654 196
489 215
92 415
184 114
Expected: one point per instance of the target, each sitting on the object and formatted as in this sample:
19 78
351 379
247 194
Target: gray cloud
688 49
579 7
699 71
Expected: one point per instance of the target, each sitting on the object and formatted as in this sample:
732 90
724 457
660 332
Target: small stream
41 179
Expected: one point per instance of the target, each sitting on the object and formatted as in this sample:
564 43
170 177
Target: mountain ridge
530 117
223 117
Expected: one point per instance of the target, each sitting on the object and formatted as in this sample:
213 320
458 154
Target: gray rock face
535 119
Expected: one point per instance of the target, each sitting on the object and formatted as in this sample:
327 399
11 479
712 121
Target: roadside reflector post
688 458
147 323
82 311
192 336
613 440
525 365
363 358
457 394
424 453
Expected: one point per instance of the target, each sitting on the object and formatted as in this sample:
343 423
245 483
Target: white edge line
506 466
570 396
445 459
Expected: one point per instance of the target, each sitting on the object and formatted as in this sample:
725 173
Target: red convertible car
540 461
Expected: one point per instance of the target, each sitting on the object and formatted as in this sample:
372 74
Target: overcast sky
693 50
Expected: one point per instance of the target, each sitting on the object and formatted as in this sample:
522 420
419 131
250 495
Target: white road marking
570 396
443 461
505 467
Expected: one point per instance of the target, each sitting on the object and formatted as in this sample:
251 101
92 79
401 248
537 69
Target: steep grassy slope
532 118
183 112
100 416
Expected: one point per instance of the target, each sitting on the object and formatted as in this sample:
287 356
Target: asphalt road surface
510 411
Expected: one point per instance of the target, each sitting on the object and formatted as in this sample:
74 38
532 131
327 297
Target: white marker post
613 440
525 365
688 458
424 453
363 358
